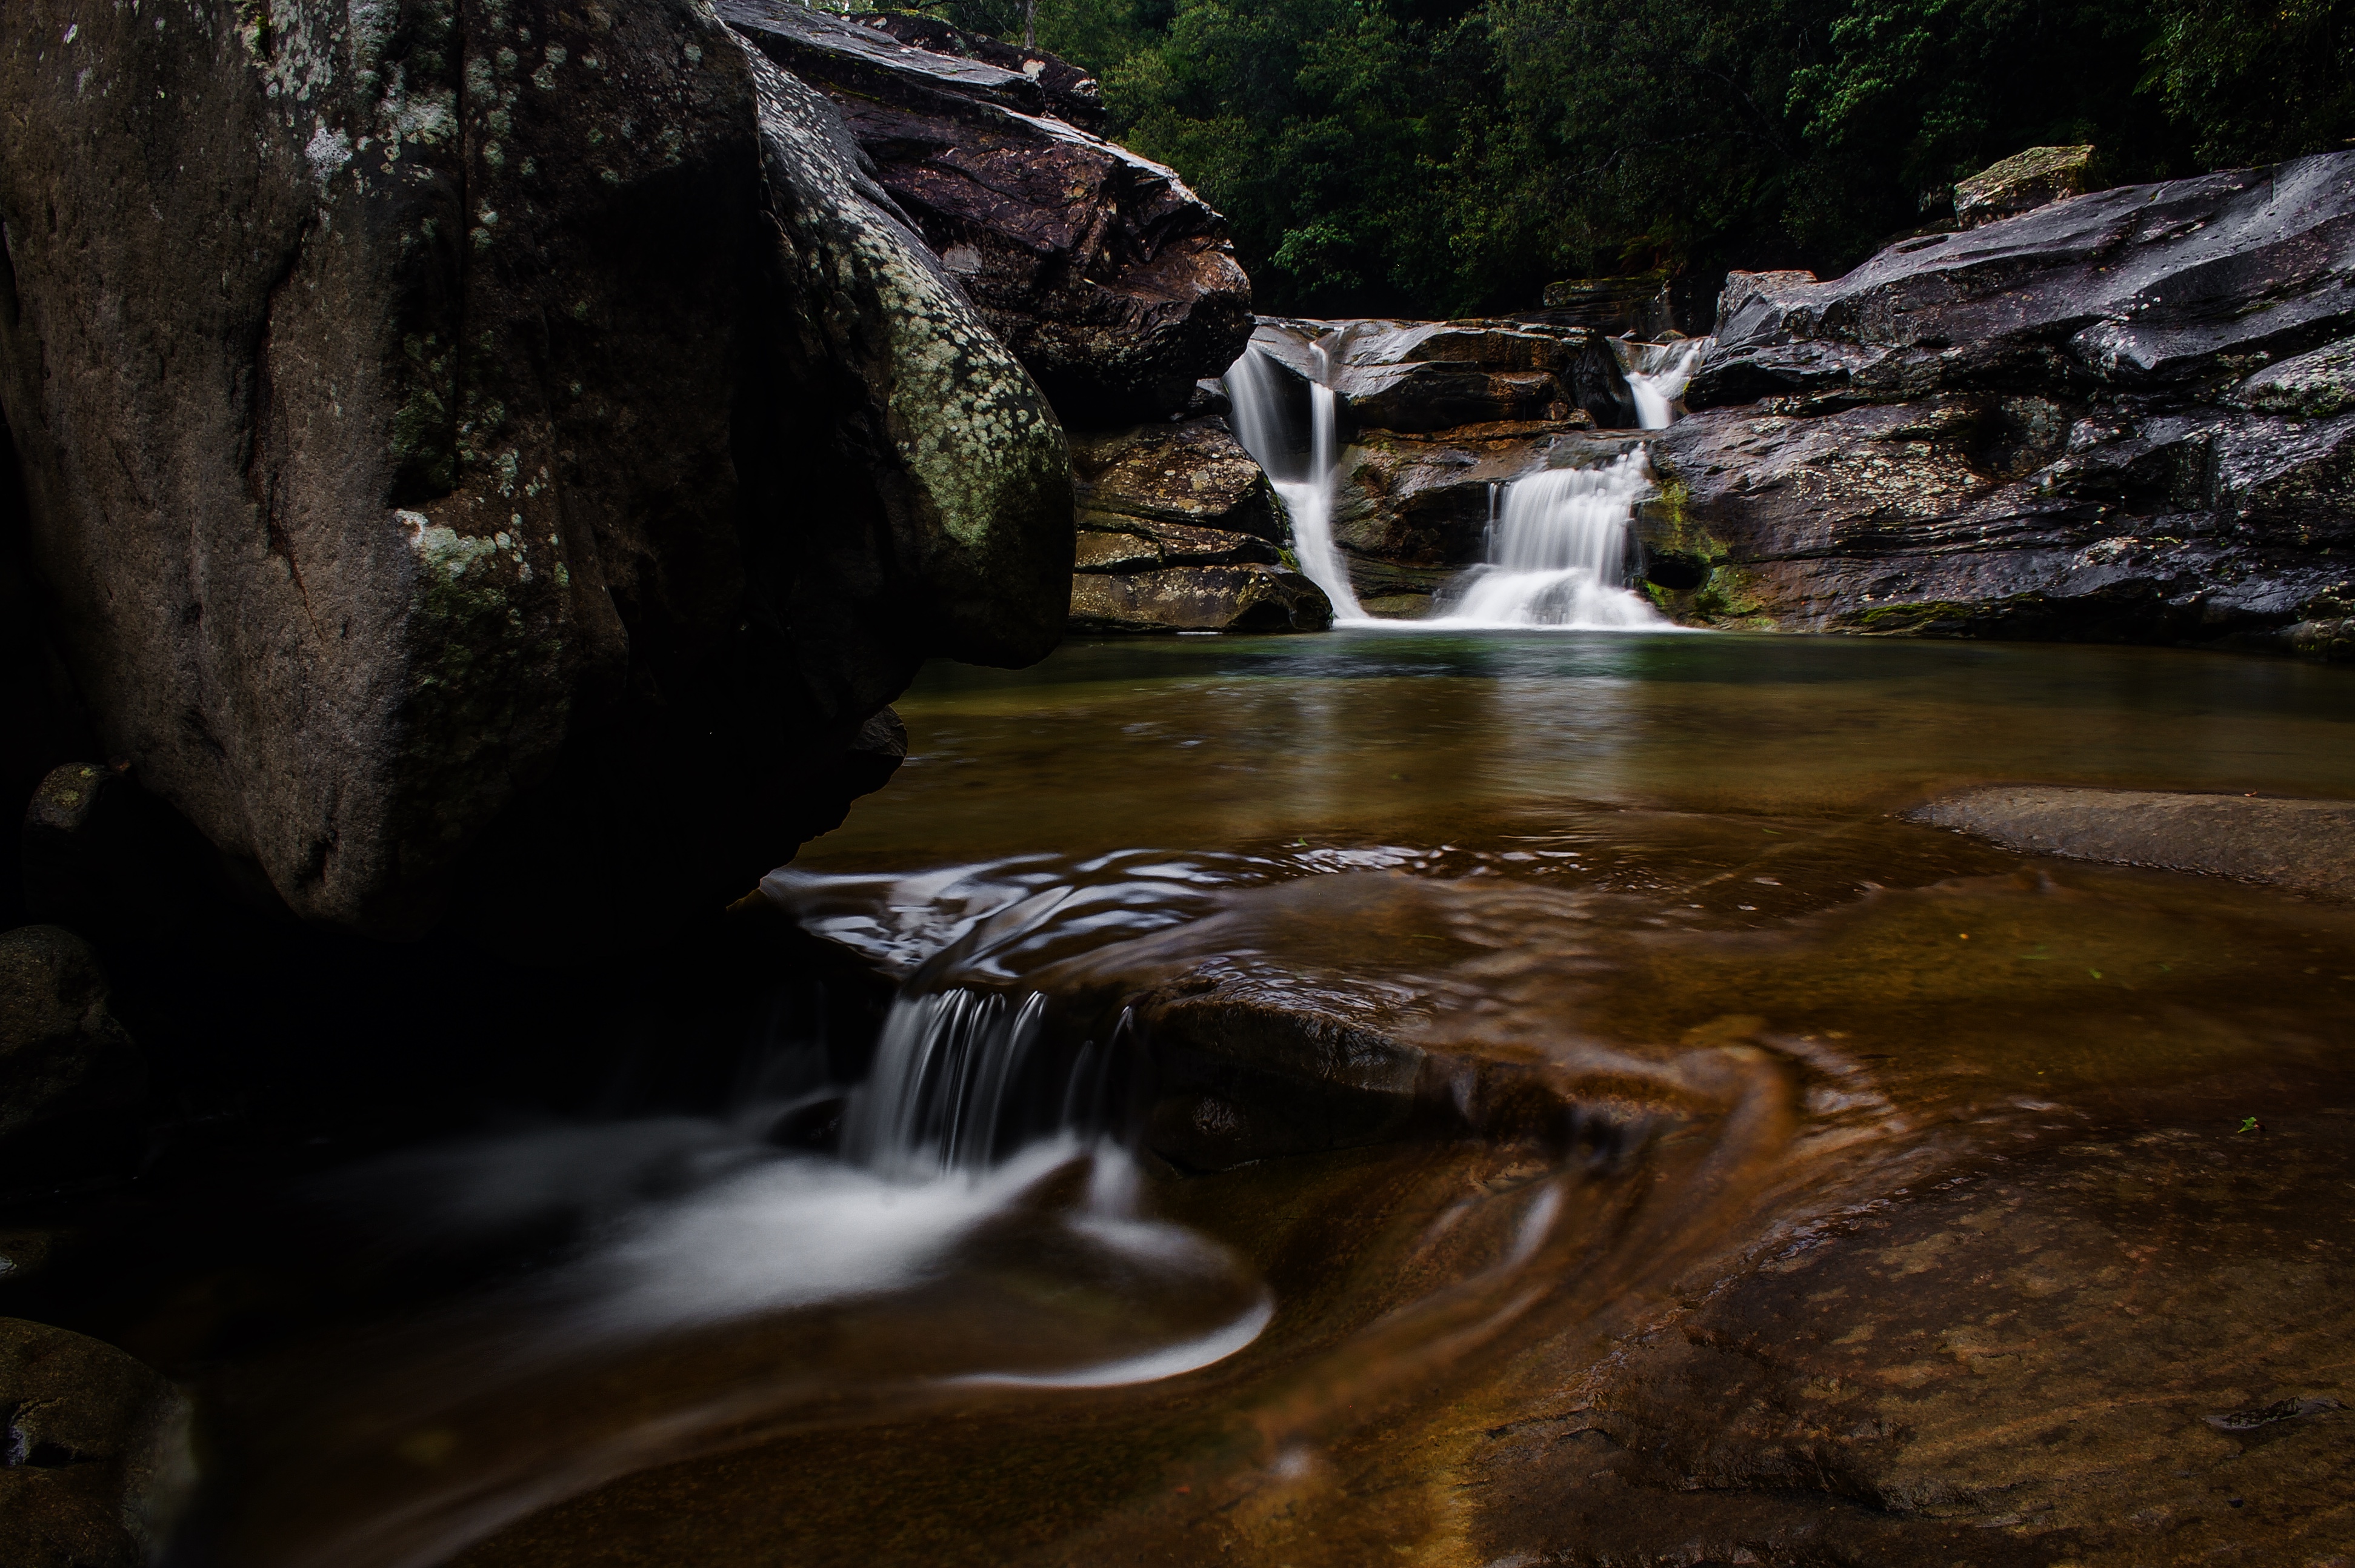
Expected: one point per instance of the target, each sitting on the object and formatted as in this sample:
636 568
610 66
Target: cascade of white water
1556 553
1659 378
959 1083
1255 389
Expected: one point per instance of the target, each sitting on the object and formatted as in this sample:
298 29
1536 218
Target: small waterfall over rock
1255 389
962 1080
1658 377
1556 553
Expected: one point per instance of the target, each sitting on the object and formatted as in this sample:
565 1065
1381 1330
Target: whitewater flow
1255 394
1558 543
1659 378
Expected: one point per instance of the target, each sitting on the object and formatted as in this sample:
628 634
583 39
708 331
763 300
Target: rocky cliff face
456 435
2123 416
1116 284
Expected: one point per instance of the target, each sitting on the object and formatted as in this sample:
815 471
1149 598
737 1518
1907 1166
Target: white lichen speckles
968 421
442 551
328 151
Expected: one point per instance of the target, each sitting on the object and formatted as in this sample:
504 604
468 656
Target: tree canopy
1445 158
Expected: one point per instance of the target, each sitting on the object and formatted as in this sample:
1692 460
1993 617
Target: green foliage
1443 158
2257 80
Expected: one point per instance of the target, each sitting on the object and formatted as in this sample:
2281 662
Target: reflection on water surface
1476 1032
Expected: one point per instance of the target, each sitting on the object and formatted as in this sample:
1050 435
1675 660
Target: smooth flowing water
1255 392
1320 1078
1557 555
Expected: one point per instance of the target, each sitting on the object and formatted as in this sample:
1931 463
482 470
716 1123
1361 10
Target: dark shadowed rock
2022 182
2307 846
457 461
94 1459
71 1082
1114 283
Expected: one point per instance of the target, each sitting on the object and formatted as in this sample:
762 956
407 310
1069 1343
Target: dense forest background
1450 157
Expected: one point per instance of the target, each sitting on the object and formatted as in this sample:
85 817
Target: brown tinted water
1811 1185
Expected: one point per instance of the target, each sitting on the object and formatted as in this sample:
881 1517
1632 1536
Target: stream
1298 1066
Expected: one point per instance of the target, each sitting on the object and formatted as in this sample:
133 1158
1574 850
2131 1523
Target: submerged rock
71 1083
2122 417
2305 845
94 1456
1114 282
458 460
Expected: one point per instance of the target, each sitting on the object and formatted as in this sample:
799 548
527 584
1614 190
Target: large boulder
1114 283
2123 416
71 1082
2021 183
94 1459
1180 531
2180 288
493 427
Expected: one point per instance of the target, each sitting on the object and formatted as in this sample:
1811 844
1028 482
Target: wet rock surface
93 1456
2119 415
1112 282
490 449
1179 530
2306 846
71 1082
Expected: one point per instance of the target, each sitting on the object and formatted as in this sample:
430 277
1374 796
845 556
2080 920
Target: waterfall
961 1080
1557 553
1658 377
1255 391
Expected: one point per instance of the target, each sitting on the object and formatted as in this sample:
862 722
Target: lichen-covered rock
1114 282
452 461
1246 597
96 1452
2123 418
2022 182
71 1082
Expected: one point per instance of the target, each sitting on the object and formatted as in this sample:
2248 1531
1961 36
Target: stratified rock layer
509 454
1179 532
1114 283
2122 416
